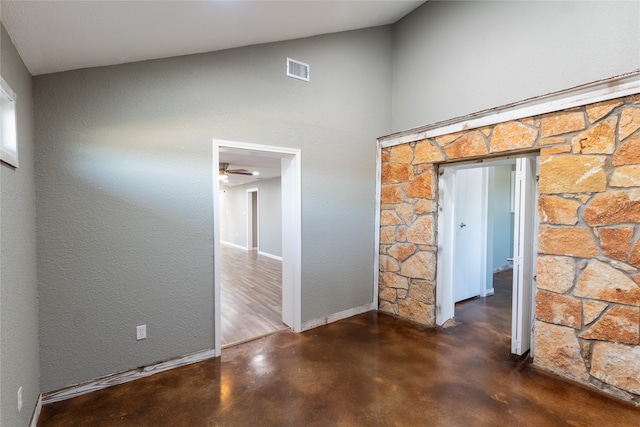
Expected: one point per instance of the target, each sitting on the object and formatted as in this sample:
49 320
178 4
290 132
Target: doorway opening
253 223
273 201
487 230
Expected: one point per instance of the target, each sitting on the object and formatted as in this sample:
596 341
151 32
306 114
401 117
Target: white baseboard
310 324
490 292
270 256
35 417
244 248
124 377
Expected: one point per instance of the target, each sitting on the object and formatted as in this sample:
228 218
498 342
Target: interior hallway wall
19 356
125 193
453 58
233 220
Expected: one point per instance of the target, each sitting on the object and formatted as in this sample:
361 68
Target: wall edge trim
125 376
598 91
268 255
311 324
35 417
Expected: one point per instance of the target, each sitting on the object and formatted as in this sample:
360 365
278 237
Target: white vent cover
297 69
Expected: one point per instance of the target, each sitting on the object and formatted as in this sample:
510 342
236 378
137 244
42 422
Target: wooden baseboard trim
338 316
124 377
35 417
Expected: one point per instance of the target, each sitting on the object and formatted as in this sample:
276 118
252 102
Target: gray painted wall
19 357
453 58
233 222
124 190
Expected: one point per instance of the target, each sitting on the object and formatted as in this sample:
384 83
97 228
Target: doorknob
510 259
462 225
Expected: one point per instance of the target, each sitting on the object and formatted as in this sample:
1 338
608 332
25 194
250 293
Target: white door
523 255
470 244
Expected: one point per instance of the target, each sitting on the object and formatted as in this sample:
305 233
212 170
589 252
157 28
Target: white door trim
249 218
291 233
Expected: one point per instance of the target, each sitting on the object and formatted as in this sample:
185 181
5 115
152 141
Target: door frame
249 210
445 307
291 232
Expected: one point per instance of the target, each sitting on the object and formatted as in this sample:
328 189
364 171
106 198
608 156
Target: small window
8 133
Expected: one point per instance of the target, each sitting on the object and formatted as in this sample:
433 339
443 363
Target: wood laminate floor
251 295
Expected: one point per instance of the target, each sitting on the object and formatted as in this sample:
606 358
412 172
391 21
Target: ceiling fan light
255 173
222 175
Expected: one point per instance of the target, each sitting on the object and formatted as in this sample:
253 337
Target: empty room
344 213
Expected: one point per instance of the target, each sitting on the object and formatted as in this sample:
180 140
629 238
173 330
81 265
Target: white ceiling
267 165
54 36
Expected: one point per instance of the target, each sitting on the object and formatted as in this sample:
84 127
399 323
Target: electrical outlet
19 399
141 332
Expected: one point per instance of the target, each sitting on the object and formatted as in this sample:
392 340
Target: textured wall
453 58
588 267
19 359
233 221
124 190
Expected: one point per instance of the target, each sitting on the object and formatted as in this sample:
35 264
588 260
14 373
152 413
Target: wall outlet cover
141 332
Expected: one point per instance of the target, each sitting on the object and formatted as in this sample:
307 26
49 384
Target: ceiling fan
224 171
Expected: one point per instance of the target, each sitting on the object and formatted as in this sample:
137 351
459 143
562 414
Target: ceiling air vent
297 69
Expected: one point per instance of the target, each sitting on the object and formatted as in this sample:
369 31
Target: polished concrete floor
368 370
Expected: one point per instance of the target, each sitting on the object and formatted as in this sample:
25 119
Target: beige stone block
423 291
628 153
389 218
392 280
449 138
528 121
422 185
619 324
422 231
402 251
558 350
392 173
614 207
617 365
388 307
591 310
486 130
559 149
555 273
572 174
427 152
417 311
419 266
512 136
629 122
599 139
401 154
559 123
402 293
626 176
616 242
387 235
423 206
558 210
384 155
472 144
556 140
633 99
388 263
569 241
401 233
405 212
600 109
558 309
391 194
388 294
634 255
602 282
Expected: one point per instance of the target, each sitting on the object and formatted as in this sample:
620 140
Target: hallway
251 295
368 370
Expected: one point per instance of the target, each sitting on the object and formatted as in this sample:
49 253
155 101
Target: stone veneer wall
588 296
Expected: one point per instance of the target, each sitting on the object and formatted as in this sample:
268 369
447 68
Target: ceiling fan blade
239 172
